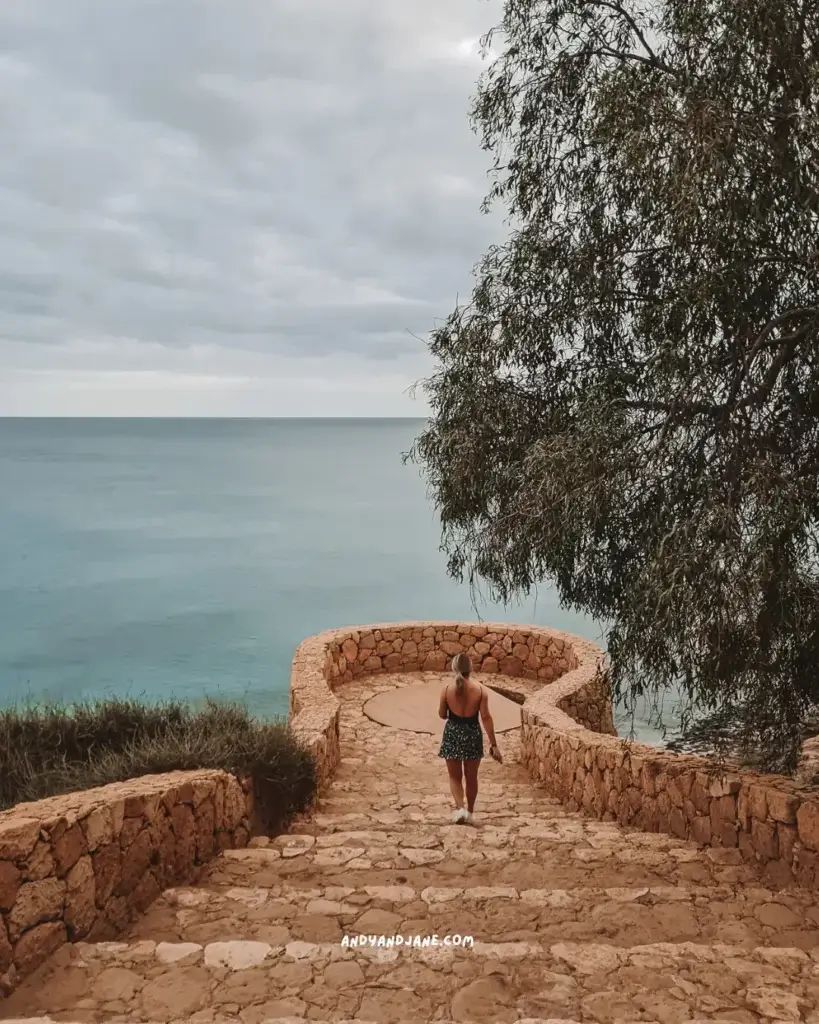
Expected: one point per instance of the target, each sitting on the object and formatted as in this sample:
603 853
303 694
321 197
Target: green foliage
47 750
629 405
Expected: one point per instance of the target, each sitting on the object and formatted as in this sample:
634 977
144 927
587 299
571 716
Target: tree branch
652 58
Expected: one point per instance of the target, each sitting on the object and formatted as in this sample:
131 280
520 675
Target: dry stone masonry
85 865
325 662
568 746
590 885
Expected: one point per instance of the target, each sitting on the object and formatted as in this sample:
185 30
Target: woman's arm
486 718
442 705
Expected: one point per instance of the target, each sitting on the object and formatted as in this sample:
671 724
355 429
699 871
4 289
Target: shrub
47 750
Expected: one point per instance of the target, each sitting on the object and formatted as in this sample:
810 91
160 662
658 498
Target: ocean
187 559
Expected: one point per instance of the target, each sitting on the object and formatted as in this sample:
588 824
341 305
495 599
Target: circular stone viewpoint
415 708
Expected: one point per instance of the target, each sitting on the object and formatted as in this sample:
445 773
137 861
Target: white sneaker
459 816
468 819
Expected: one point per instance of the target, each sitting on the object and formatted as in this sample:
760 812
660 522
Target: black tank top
463 718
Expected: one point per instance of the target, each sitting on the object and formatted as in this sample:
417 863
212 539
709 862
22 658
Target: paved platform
415 709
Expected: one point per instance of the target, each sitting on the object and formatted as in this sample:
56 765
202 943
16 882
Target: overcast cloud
233 207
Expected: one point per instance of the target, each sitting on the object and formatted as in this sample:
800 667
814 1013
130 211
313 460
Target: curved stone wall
769 819
568 739
533 654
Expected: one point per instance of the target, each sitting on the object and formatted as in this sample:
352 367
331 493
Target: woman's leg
471 776
455 770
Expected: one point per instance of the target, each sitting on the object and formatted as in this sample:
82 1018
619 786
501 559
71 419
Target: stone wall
83 866
568 744
325 661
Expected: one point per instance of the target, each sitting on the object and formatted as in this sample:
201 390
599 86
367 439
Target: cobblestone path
570 919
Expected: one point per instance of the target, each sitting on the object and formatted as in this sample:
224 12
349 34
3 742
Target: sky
243 208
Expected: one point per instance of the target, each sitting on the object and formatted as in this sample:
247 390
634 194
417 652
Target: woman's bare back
466 704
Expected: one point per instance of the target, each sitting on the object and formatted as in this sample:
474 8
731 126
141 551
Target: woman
462 744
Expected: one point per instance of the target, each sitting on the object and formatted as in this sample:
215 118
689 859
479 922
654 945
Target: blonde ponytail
461 666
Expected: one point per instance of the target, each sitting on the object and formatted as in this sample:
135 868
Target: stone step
306 1020
515 800
417 785
438 855
440 819
416 782
438 816
513 834
598 840
161 982
622 916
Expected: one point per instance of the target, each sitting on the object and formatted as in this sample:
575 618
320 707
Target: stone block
807 821
806 868
677 823
782 806
764 840
701 830
435 661
39 863
510 666
107 864
37 945
10 881
80 899
758 802
131 828
18 837
6 949
98 828
787 837
68 849
145 892
36 902
451 647
724 785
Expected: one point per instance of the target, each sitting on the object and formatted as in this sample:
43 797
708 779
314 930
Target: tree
627 407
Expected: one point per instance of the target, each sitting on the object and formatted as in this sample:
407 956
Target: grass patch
46 750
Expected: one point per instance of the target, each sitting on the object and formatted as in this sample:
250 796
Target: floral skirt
462 741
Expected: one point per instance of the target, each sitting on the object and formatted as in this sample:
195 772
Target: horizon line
260 419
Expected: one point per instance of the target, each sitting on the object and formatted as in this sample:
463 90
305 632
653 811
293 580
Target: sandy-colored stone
98 828
80 899
342 974
773 1004
17 836
6 948
37 945
107 864
175 996
237 955
10 878
173 952
69 846
116 984
573 918
36 902
40 863
487 1000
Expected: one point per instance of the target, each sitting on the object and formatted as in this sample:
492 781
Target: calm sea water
188 558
